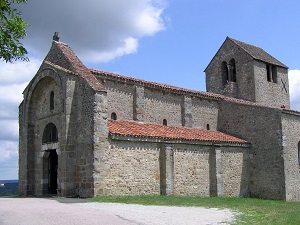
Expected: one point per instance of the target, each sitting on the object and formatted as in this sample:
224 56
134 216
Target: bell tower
247 72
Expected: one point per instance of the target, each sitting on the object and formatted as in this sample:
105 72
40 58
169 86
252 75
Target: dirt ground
48 211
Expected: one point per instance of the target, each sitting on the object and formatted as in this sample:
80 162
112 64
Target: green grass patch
252 210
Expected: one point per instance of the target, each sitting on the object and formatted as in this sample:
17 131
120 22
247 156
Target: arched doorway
50 143
52 172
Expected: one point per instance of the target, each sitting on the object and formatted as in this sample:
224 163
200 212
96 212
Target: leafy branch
12 30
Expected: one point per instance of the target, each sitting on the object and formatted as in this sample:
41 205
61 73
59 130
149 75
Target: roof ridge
257 53
74 63
157 84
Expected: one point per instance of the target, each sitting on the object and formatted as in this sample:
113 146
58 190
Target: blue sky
158 40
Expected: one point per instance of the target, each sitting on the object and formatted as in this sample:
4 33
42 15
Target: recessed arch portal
50 134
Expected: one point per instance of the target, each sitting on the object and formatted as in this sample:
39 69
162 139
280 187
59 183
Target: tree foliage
12 30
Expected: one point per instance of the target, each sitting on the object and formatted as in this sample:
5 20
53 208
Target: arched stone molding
32 125
46 72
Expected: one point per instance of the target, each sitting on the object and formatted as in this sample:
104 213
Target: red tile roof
76 65
139 129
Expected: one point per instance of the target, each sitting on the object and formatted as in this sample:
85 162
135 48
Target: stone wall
191 170
161 105
23 181
273 94
146 167
153 105
235 169
131 168
290 142
202 171
84 143
205 113
101 143
120 99
261 127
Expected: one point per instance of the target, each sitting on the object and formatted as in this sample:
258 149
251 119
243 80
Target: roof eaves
149 130
176 140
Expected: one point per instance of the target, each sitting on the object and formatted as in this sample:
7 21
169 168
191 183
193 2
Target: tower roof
258 53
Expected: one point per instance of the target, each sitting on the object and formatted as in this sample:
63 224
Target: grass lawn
253 211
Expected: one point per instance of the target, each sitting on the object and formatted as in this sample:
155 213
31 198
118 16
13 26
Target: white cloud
97 30
9 130
13 80
12 93
294 84
130 46
8 150
149 21
18 72
8 160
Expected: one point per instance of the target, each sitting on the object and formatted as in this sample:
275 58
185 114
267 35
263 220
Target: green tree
12 31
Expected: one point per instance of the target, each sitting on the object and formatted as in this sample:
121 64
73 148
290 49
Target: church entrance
52 172
50 146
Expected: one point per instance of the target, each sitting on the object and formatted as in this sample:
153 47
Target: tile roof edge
291 111
178 140
79 67
176 127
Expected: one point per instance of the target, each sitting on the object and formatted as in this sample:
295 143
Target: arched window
225 77
50 134
207 127
113 116
165 122
51 100
232 70
271 73
299 153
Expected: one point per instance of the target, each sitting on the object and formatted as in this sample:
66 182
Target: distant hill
9 187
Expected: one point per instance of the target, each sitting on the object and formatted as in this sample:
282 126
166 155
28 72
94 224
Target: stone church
86 132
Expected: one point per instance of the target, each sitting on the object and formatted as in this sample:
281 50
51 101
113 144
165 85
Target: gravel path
48 211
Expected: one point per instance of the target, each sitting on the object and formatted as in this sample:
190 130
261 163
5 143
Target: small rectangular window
268 68
274 74
51 100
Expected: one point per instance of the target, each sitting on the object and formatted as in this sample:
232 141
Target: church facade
86 132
